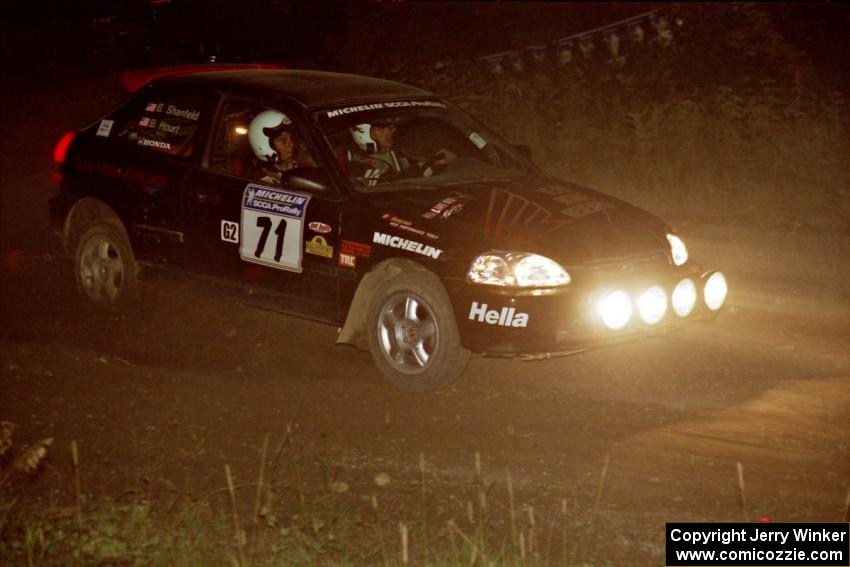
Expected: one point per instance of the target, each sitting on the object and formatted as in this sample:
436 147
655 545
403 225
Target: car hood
566 222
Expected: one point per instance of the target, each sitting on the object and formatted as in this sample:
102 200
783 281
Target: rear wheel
413 335
104 266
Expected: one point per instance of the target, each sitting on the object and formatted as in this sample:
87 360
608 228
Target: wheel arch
83 214
353 331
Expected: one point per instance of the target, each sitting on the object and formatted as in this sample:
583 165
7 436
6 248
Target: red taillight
62 147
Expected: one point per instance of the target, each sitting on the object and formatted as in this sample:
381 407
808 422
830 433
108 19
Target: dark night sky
287 32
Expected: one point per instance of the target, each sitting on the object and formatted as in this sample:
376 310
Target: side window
257 142
161 122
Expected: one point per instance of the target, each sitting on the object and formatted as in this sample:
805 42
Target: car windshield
415 144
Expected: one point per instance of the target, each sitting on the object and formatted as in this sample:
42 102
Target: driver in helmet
376 157
273 140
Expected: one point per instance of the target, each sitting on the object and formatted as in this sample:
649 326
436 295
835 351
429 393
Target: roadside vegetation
726 123
294 511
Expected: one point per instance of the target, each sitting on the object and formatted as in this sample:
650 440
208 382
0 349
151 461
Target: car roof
312 89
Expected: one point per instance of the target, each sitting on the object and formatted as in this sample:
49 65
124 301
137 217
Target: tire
104 266
412 333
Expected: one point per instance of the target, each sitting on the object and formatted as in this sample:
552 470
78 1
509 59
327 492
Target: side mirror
310 179
523 150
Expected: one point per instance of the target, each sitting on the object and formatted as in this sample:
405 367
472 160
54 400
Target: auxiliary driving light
652 305
715 291
615 308
684 297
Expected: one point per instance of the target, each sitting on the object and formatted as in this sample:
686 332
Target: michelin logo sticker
272 227
384 105
405 244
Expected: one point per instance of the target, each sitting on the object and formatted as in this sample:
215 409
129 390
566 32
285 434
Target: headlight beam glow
715 290
652 305
615 309
678 250
684 297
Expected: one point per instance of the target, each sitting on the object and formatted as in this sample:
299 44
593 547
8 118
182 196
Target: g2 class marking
230 231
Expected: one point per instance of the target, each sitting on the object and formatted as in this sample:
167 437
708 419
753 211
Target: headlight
615 309
517 269
652 305
715 291
677 249
684 297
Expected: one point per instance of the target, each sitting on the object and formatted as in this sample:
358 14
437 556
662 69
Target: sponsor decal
382 105
130 174
404 244
357 249
182 113
414 230
407 226
505 317
454 209
347 260
145 178
444 209
159 144
261 199
318 246
271 228
319 227
230 231
105 128
394 219
476 139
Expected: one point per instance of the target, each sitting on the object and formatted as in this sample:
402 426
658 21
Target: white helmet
263 128
362 135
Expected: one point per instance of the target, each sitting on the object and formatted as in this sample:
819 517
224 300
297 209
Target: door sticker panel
272 227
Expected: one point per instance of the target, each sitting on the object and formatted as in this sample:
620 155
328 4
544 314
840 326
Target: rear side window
158 121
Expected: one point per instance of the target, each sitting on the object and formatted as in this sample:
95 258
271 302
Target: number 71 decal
272 227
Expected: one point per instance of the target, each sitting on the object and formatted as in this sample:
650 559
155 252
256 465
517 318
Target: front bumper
510 322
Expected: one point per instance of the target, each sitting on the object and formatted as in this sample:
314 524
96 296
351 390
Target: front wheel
104 266
413 336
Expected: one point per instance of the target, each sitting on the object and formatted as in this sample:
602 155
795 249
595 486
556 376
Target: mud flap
353 332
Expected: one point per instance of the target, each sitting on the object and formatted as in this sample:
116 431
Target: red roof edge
135 79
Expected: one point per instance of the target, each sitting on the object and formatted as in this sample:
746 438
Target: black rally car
370 205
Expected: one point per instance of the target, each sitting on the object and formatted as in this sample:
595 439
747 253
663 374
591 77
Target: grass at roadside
292 513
